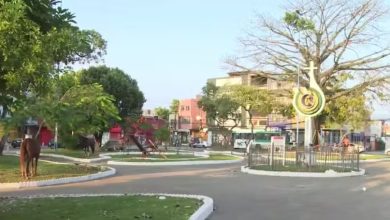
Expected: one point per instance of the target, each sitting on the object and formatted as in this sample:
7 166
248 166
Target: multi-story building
148 112
189 120
248 78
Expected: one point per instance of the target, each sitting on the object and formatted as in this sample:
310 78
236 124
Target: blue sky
170 47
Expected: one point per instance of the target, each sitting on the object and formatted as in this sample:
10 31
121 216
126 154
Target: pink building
191 117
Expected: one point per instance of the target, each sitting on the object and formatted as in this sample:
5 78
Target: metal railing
302 159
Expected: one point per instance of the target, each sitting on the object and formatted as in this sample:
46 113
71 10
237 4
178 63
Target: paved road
241 196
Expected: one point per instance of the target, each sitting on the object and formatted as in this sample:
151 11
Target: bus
262 138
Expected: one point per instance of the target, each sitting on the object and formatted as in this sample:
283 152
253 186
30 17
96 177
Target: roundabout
170 159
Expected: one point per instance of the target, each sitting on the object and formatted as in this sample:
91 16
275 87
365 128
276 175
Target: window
185 120
149 112
182 108
262 122
187 108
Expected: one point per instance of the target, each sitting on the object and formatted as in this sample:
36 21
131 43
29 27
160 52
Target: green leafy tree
129 99
251 99
174 107
42 35
163 134
162 113
82 109
219 108
330 33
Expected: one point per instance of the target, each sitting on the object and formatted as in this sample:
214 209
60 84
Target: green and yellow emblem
309 102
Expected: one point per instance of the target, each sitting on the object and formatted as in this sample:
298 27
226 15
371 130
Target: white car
202 144
387 151
358 148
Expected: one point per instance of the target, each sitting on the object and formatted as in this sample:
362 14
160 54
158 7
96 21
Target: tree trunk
317 122
4 139
251 122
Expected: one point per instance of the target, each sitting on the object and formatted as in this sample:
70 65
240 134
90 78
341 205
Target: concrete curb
338 161
177 163
81 160
201 214
111 171
327 174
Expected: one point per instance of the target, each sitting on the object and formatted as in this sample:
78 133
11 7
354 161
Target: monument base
310 156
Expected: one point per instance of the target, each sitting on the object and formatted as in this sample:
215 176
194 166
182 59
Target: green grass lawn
99 208
373 157
70 153
10 170
171 158
296 168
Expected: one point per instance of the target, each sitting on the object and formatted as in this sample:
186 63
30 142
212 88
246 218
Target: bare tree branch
348 39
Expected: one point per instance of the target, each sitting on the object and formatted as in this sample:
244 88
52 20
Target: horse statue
29 153
86 142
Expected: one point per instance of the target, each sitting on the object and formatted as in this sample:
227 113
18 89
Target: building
148 112
189 120
259 121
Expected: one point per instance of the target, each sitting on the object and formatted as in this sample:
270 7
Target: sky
171 47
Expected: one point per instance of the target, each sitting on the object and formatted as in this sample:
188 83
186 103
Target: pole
298 84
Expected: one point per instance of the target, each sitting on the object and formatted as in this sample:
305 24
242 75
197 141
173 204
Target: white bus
262 138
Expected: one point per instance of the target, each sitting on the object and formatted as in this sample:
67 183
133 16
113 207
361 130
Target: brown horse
29 151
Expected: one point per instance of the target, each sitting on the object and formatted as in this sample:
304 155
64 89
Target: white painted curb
201 214
111 171
81 160
178 163
327 174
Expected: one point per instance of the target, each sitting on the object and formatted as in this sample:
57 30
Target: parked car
387 151
51 144
16 142
358 148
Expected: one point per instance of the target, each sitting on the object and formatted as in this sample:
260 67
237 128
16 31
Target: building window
149 112
262 122
187 108
182 108
185 120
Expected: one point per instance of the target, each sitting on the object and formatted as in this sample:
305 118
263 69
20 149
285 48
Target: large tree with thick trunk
344 38
36 36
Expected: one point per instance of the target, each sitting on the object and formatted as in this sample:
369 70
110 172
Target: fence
303 159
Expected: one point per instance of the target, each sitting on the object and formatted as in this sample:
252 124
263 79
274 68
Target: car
358 148
16 142
201 144
51 144
387 151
